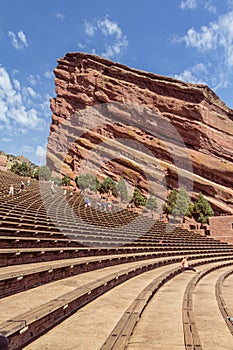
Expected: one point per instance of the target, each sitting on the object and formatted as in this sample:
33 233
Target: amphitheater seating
60 260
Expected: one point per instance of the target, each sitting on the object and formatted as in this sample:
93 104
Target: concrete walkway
88 328
16 304
213 331
160 326
227 291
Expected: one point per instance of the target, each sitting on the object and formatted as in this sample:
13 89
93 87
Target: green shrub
138 199
108 185
122 189
87 181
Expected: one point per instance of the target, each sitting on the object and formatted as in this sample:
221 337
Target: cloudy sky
191 40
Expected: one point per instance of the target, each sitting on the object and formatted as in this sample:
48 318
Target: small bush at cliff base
66 180
87 181
43 173
107 186
178 203
138 199
22 169
170 202
151 204
122 189
202 209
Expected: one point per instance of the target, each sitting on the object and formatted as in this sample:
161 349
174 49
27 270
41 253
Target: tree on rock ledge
66 180
202 209
138 199
122 189
108 185
151 203
89 181
178 203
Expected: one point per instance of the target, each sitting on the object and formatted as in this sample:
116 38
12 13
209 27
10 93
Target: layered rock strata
156 132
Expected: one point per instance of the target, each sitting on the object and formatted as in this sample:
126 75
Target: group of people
21 187
105 206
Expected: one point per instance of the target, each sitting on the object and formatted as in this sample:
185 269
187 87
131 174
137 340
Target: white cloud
27 118
188 4
6 139
58 15
114 42
204 40
216 37
31 92
45 106
115 49
205 74
81 46
48 75
209 6
89 28
22 37
16 111
3 111
193 4
27 149
16 84
109 27
14 40
34 79
197 74
19 40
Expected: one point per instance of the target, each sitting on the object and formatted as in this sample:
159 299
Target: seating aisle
70 273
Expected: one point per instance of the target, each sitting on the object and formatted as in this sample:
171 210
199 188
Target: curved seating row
48 239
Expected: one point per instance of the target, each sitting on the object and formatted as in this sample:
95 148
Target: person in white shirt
185 264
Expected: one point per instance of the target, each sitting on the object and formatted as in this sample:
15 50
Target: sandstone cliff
157 132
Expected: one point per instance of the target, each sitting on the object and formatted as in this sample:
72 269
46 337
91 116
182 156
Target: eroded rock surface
145 127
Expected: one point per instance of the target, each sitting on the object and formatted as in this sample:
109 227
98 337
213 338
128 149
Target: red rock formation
3 162
185 130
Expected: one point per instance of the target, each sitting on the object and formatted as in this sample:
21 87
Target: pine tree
122 189
84 181
138 199
151 204
202 209
108 185
66 180
170 202
178 203
182 203
43 173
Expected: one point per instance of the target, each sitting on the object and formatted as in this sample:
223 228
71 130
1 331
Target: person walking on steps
11 191
21 186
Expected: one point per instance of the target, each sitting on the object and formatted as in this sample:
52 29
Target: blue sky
191 40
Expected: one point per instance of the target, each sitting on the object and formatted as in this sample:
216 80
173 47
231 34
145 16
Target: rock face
156 132
3 162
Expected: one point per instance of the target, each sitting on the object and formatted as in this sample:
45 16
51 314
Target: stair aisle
212 329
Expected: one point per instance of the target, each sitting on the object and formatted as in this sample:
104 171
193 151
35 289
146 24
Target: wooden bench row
120 335
15 282
25 327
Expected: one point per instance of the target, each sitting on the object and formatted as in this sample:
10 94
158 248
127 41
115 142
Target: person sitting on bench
185 264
